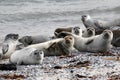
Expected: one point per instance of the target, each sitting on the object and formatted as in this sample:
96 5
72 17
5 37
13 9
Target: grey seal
116 37
56 47
97 43
99 24
89 32
74 30
27 56
28 40
63 47
9 45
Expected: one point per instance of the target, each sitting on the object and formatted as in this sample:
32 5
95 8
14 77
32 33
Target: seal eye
85 16
41 52
88 29
35 53
70 38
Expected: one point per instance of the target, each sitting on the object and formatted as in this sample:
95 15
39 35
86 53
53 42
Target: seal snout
69 40
38 54
107 34
91 31
76 30
85 18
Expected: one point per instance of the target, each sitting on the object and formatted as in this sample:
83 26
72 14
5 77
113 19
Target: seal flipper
89 41
5 48
19 62
55 33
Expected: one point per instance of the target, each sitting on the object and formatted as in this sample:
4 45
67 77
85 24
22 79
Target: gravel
80 66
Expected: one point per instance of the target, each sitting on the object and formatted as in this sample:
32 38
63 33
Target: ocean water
34 17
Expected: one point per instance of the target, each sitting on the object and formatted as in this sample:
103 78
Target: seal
27 56
28 40
63 47
74 30
99 24
9 45
98 43
89 32
116 43
56 47
116 37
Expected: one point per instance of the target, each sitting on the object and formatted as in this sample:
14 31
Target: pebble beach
34 17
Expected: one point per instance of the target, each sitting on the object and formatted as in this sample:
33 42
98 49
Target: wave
54 15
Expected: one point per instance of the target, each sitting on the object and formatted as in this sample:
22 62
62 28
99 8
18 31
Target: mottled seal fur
99 24
74 30
63 47
55 47
89 32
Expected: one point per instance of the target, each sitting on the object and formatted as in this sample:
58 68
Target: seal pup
89 32
28 40
98 43
63 47
9 45
99 24
27 56
74 30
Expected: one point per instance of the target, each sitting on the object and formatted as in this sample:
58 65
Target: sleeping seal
99 24
9 45
74 30
28 40
27 56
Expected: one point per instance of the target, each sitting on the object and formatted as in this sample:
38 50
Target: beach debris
8 67
12 76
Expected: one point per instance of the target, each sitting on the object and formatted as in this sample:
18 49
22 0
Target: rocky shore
78 66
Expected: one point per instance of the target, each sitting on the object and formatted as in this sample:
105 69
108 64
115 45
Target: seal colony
66 40
97 43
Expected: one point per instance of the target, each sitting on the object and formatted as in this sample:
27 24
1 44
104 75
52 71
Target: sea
42 17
